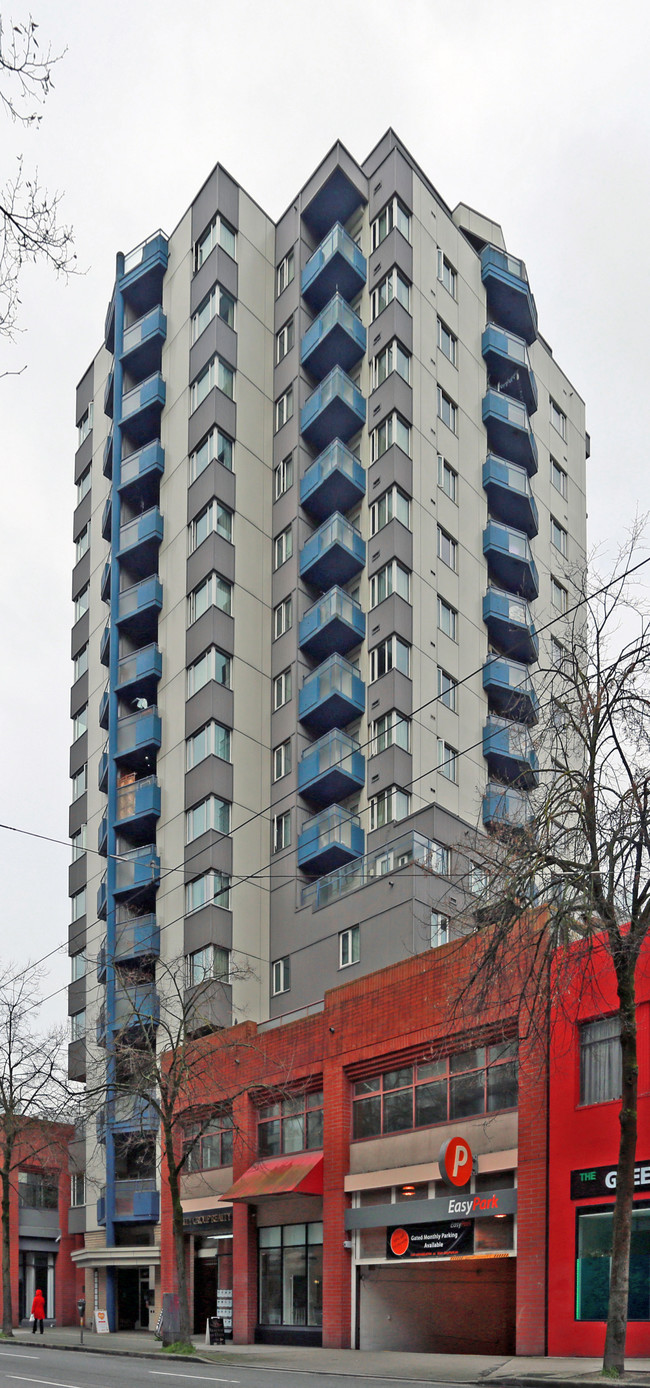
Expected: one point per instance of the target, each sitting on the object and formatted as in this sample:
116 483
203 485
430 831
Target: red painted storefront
42 1152
583 1138
394 1018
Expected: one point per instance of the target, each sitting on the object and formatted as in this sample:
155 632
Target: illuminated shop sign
459 1206
207 1221
430 1240
601 1180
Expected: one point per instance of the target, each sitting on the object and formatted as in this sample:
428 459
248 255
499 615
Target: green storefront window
593 1265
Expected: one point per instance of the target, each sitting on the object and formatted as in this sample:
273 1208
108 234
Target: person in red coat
38 1311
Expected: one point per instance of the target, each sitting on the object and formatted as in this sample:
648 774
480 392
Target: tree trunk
7 1310
185 1331
614 1357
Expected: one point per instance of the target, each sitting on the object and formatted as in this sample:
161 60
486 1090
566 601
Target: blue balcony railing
136 937
509 558
104 705
510 689
336 409
510 495
331 769
143 272
107 516
136 1201
109 393
102 835
336 337
508 430
145 464
337 264
138 673
509 298
138 607
506 357
138 737
509 752
331 696
510 625
142 343
105 645
333 554
138 806
102 769
404 852
141 537
137 871
133 1113
335 481
329 839
102 898
335 623
506 808
107 456
105 585
136 1006
141 408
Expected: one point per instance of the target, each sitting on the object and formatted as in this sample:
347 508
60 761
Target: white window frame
284 339
388 507
439 930
447 479
349 947
82 602
447 546
393 577
84 484
389 807
391 730
281 760
78 904
215 809
447 411
85 424
78 842
388 648
78 966
212 302
281 976
80 663
448 761
285 272
447 275
558 533
216 373
218 519
216 736
283 477
439 858
559 478
218 232
394 214
446 607
559 596
282 617
393 286
80 723
281 831
80 782
78 1025
217 446
214 591
447 690
558 418
209 658
282 689
82 543
283 408
447 342
393 357
213 962
282 548
215 891
77 1189
392 430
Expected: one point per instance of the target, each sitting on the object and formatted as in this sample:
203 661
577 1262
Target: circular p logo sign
455 1161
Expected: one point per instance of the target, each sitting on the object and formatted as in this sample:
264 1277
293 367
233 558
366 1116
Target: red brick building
317 1214
41 1243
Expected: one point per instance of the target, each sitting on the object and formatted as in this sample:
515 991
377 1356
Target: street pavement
127 1360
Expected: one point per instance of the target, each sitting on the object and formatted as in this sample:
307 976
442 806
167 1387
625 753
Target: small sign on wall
101 1323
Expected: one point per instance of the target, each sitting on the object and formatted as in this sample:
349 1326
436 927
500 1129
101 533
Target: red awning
301 1174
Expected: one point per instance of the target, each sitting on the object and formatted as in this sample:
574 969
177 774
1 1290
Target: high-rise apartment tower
330 477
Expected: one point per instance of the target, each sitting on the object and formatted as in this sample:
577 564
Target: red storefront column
531 1201
337 1266
244 1228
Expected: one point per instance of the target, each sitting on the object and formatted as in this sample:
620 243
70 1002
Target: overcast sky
534 112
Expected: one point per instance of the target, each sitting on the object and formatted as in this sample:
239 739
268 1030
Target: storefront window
594 1260
291 1125
209 1144
482 1080
291 1274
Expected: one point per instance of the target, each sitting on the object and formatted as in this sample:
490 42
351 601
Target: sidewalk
376 1364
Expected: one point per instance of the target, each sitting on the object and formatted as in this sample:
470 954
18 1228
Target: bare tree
30 229
34 1096
582 846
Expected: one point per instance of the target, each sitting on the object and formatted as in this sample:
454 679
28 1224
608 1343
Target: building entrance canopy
301 1174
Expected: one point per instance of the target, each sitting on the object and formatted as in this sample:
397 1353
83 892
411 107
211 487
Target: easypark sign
456 1161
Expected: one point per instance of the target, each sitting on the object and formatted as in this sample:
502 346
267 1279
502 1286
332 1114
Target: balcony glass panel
504 807
508 430
510 625
331 696
329 839
510 301
337 337
331 769
137 869
142 342
404 852
333 554
138 804
147 462
136 937
510 495
337 264
510 689
139 672
508 362
509 752
138 608
335 481
137 1005
141 409
335 623
510 560
136 1200
336 409
143 272
138 736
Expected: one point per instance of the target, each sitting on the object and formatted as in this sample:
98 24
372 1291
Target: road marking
11 1354
202 1378
50 1382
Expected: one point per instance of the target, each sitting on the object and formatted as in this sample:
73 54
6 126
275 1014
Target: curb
123 1353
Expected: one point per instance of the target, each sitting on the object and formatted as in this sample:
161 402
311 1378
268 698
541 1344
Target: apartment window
283 408
559 479
78 1025
391 730
447 274
282 618
81 602
601 1071
447 342
447 478
208 1145
348 946
215 517
447 760
280 976
217 303
211 813
78 843
38 1190
282 689
83 485
394 214
390 805
482 1080
558 654
285 272
477 880
282 547
393 286
218 233
82 543
80 782
390 654
558 418
282 760
392 358
559 537
281 831
212 665
80 723
215 445
291 1125
392 578
80 663
78 966
208 964
447 410
77 1189
439 858
439 929
447 619
392 505
210 889
559 596
212 740
283 476
392 430
85 425
216 373
214 591
447 687
447 549
284 339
